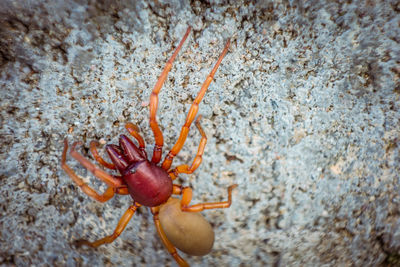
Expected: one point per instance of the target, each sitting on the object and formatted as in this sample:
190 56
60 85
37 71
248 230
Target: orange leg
187 197
192 113
107 195
122 190
98 158
168 245
197 160
99 173
157 152
134 131
118 230
177 189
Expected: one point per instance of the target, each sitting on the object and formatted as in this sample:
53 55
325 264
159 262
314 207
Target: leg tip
64 153
230 188
82 242
130 126
94 143
74 145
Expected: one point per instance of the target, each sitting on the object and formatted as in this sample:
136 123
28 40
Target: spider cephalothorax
178 223
148 184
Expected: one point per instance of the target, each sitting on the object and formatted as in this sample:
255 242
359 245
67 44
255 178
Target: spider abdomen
148 184
190 232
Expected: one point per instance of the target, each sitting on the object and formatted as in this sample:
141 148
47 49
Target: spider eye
131 169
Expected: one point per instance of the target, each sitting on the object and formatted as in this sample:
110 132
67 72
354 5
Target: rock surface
303 114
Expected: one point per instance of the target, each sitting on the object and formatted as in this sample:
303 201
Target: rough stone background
303 114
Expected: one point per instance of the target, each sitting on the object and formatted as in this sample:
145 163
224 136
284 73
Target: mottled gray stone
303 114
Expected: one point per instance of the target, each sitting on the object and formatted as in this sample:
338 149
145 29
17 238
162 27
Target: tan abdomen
190 232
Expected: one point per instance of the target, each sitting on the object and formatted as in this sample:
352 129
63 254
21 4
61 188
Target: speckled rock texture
304 114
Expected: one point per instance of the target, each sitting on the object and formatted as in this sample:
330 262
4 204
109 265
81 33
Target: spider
178 224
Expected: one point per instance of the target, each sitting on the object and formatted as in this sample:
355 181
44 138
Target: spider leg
157 152
98 158
186 193
107 195
122 190
192 113
99 173
118 230
197 160
134 131
168 245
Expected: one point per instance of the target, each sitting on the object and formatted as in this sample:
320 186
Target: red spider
178 224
